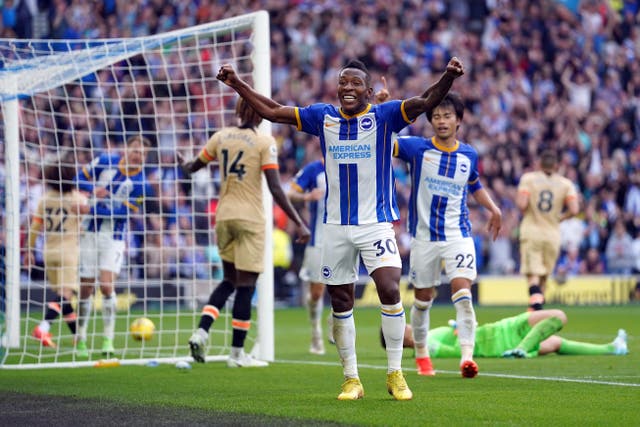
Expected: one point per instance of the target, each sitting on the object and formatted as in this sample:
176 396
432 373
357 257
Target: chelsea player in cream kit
57 219
356 139
443 170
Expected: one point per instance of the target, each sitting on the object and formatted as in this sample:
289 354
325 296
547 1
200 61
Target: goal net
78 99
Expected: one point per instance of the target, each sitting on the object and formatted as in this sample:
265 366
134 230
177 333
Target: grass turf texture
301 389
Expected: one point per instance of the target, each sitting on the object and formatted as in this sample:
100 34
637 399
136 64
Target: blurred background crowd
539 74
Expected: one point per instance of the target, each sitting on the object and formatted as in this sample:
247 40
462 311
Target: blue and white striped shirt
126 193
440 180
357 154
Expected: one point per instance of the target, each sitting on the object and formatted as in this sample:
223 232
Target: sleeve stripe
296 186
269 166
205 156
131 206
404 113
299 122
86 173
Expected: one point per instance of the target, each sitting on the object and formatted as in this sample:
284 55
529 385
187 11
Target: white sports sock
315 315
393 325
45 326
344 332
466 320
84 311
109 315
420 321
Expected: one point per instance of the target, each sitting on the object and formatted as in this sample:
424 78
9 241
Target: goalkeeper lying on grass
528 334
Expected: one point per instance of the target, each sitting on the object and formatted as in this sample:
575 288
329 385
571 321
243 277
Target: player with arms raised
244 154
356 139
58 217
545 199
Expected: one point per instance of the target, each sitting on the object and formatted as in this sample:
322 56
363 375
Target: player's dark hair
451 100
548 159
142 139
358 65
249 118
59 177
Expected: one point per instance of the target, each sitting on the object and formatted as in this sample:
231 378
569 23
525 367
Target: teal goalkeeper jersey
492 339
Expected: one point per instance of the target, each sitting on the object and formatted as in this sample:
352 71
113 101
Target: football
142 329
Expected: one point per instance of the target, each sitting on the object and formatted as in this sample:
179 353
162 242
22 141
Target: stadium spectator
619 250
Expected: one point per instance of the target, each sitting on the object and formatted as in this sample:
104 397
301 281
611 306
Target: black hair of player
142 139
249 118
358 65
451 100
59 177
548 159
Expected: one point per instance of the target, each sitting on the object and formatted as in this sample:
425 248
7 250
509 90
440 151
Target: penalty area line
483 374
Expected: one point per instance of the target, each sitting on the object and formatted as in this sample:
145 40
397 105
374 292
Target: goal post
86 97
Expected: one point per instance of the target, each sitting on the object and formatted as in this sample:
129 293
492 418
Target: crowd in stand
539 74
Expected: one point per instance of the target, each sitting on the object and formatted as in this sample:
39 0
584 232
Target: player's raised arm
267 108
436 92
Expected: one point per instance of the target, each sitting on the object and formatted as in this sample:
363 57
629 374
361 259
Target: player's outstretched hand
227 75
303 234
455 67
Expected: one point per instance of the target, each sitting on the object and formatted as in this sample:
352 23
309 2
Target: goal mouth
66 102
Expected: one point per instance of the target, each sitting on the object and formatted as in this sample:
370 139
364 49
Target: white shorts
427 258
99 251
310 270
342 245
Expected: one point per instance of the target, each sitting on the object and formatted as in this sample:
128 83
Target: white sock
330 328
344 332
109 315
420 321
84 311
44 326
236 352
466 320
393 325
315 315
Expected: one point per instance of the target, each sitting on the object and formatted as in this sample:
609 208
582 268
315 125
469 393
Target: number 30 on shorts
388 246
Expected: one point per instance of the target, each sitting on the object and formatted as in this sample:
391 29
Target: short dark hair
548 159
142 139
453 100
59 176
358 65
248 116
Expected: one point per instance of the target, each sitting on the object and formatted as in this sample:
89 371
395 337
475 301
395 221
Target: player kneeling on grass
528 334
243 154
57 218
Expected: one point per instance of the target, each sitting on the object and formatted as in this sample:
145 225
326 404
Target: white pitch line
484 374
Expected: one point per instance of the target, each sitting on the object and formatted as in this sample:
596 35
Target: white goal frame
24 78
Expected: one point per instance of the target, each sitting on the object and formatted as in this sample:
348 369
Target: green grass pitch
301 389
